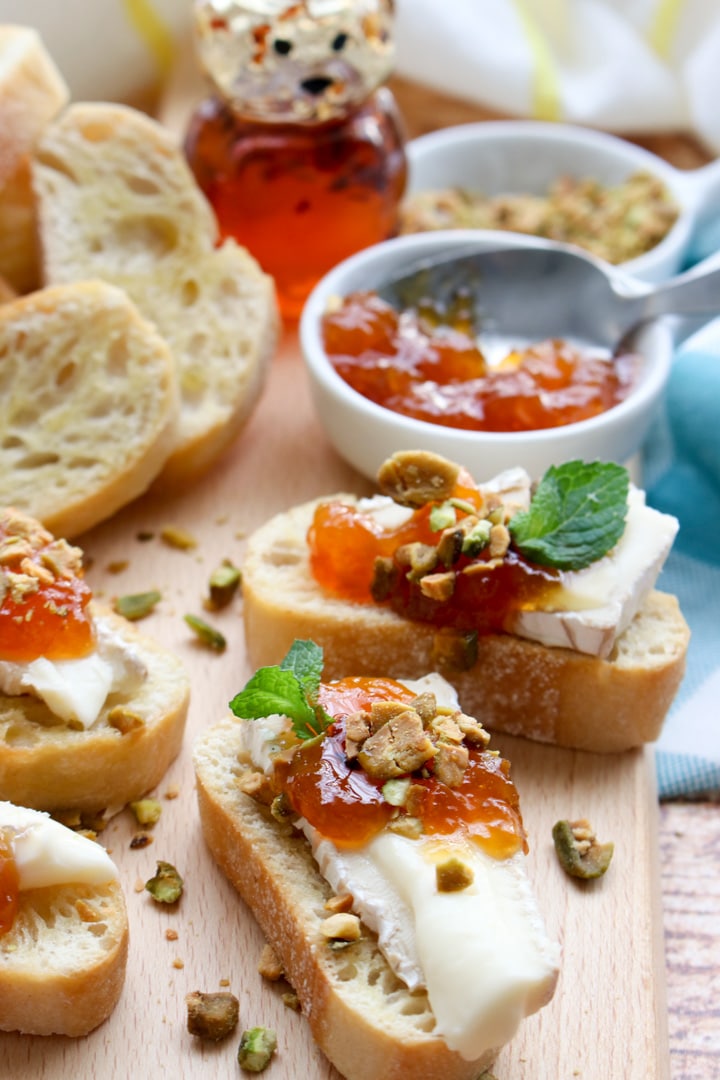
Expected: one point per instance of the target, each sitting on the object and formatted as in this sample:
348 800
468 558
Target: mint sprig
289 689
577 514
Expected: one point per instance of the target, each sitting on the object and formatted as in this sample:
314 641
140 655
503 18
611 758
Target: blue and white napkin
681 474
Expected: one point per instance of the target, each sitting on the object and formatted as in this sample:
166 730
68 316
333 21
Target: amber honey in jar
299 146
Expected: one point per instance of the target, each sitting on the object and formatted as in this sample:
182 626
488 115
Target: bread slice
46 765
62 964
515 686
32 92
88 404
117 201
361 1015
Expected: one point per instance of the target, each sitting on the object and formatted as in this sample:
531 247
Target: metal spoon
546 289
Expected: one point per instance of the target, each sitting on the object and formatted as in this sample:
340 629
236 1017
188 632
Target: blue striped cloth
681 474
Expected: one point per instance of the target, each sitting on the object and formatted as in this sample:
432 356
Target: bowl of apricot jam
384 379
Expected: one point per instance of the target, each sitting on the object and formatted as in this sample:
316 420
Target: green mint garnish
576 515
290 689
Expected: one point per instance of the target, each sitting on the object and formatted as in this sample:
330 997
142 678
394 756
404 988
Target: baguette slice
362 1016
46 765
515 686
62 962
32 92
88 404
117 201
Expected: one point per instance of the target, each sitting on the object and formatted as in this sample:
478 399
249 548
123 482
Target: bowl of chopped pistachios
429 373
613 198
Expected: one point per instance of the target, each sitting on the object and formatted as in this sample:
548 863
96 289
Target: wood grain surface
608 1017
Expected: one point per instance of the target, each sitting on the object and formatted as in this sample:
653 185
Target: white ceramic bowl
365 433
518 156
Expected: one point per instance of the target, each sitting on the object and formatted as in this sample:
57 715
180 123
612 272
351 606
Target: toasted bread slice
117 201
88 404
32 92
515 686
47 765
361 1015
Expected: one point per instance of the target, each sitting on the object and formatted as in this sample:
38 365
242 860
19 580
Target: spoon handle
696 292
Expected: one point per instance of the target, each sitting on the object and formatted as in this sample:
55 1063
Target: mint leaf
291 689
576 515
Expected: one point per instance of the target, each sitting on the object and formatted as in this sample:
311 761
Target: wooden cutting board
608 1016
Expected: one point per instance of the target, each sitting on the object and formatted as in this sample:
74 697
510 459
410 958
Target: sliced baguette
515 686
361 1015
62 964
32 92
88 404
117 201
46 765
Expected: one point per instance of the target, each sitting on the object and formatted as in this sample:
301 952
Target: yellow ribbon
663 25
154 32
546 83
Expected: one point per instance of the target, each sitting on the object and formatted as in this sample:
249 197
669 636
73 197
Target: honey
438 373
298 148
348 807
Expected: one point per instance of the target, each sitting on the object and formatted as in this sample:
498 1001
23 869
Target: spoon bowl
365 433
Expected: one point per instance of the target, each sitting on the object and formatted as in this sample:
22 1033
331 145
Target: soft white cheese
482 954
76 690
594 605
47 853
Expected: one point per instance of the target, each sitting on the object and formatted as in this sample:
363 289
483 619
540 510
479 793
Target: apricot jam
409 364
51 620
344 543
9 884
348 807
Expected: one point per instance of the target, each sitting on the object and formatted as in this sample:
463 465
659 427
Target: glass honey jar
299 146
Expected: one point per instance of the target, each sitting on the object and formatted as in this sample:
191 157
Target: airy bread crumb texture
117 201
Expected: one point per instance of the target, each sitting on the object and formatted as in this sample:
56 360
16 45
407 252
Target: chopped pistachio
385 574
442 517
476 539
270 966
338 903
395 791
176 537
578 851
453 875
291 1001
146 811
343 926
118 566
144 535
223 585
257 1047
416 477
206 633
142 840
167 885
137 605
124 720
212 1016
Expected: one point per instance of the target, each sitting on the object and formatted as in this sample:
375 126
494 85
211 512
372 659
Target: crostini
537 605
379 843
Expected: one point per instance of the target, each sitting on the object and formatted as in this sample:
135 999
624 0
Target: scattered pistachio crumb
341 927
178 963
177 537
291 1000
453 875
578 850
170 935
256 1049
167 885
212 1016
141 840
270 966
207 634
224 982
137 605
146 811
118 566
223 584
172 792
339 903
144 535
139 885
124 720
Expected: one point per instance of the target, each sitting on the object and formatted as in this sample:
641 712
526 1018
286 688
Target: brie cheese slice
47 853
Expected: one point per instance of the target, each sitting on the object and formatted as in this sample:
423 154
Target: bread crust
360 1014
46 765
62 964
515 686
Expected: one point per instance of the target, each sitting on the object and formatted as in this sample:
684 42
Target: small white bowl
527 156
365 433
